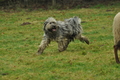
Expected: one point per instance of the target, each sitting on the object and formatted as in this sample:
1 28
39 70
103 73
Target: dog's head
50 25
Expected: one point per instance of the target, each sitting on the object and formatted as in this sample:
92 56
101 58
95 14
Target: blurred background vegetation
52 4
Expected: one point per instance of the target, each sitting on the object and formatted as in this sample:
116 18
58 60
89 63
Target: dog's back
75 24
70 27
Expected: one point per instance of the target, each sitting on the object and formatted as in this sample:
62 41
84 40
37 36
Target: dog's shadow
76 46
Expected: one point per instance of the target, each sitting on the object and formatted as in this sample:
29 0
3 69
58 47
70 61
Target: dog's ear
45 23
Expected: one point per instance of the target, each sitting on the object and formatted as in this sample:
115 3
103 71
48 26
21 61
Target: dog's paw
84 39
38 53
87 41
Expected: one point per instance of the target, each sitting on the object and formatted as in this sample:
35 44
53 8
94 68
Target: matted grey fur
63 32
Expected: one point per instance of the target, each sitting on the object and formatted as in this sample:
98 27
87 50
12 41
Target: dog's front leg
62 45
43 45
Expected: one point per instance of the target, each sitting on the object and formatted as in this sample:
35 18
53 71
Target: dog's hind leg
62 45
43 45
82 38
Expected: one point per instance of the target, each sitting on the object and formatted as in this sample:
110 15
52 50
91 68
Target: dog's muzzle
53 29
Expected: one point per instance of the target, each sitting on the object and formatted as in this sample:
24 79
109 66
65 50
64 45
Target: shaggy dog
63 32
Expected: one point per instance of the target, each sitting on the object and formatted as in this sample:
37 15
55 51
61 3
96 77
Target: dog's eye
52 22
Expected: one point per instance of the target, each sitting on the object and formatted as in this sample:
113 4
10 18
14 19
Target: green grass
18 45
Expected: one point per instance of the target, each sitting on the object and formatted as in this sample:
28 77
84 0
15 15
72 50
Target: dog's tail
77 22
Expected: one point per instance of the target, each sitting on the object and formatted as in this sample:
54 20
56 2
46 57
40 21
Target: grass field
19 42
